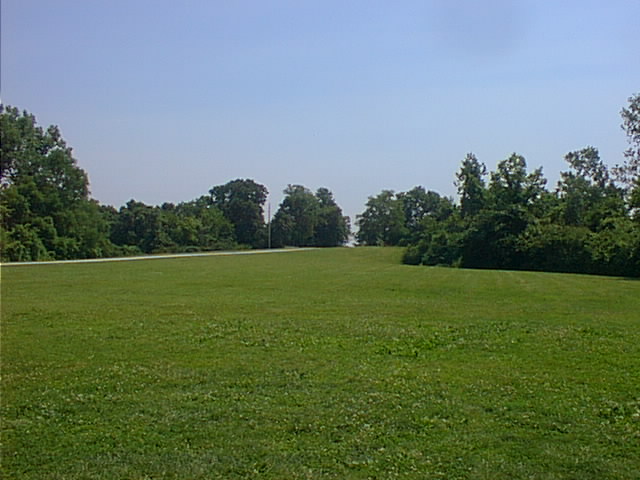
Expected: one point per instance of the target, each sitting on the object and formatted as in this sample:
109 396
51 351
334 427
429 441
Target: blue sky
161 100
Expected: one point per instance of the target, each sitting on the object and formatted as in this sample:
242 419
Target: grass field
338 363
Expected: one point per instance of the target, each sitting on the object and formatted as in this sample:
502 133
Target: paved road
158 257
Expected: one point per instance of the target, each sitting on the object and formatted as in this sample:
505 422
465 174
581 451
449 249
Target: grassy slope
322 364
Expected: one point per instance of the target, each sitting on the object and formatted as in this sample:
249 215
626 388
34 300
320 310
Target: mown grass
337 363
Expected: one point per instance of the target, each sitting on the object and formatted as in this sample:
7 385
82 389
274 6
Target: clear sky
162 99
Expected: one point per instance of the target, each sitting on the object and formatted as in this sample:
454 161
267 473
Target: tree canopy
629 173
306 219
242 202
44 195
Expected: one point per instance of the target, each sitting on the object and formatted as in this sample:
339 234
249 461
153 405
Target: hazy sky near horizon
161 100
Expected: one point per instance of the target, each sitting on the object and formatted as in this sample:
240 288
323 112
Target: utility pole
269 223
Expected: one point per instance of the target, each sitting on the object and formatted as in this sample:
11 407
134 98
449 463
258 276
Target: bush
412 255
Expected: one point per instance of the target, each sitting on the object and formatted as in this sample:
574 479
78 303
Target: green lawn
338 363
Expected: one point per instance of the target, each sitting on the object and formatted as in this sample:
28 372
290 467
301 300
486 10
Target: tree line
47 212
508 219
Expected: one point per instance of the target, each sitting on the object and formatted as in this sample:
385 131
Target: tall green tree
588 195
631 125
142 226
471 185
305 219
383 221
629 173
419 204
512 186
203 226
30 153
242 201
332 227
491 240
44 195
295 221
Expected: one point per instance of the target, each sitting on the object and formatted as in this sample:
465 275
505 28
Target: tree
590 224
471 185
631 126
629 173
203 226
142 226
305 219
45 195
555 248
188 226
241 202
511 185
31 153
491 238
332 227
588 195
295 221
440 241
419 204
383 221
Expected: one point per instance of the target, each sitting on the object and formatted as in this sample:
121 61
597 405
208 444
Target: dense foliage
241 202
47 212
304 219
44 196
508 219
188 226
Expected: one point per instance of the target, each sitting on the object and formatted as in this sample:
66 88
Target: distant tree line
47 212
508 219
